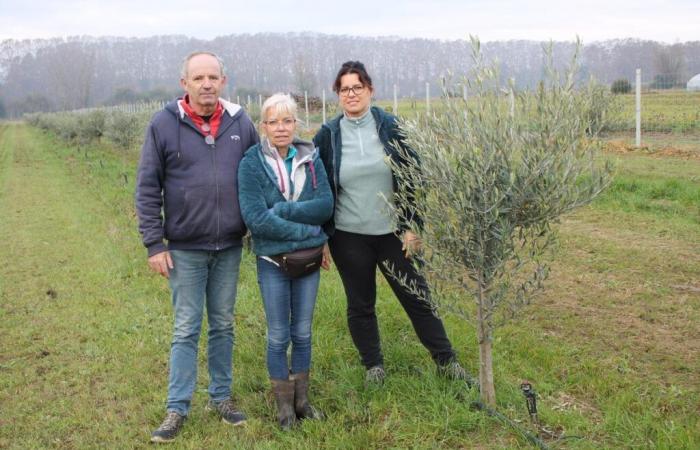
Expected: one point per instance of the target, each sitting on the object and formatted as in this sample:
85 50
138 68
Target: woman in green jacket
285 198
354 147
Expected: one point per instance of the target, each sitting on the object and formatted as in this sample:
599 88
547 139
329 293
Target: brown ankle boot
284 398
303 409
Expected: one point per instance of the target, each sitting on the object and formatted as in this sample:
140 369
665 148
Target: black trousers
357 256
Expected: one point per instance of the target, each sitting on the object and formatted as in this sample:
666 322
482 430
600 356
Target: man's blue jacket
186 189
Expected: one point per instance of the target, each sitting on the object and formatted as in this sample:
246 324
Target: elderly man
188 170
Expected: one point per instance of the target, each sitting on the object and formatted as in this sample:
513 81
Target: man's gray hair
186 62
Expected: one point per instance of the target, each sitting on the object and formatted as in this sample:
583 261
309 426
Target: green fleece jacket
279 221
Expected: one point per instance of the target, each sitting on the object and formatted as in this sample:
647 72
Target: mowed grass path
612 346
86 331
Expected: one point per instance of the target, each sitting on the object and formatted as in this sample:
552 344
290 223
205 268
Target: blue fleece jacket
193 183
279 225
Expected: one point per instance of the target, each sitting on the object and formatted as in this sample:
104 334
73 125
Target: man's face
203 83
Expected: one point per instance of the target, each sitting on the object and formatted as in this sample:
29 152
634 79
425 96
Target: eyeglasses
286 123
358 89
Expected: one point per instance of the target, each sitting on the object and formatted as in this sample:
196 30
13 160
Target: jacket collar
273 164
379 117
305 149
230 108
364 119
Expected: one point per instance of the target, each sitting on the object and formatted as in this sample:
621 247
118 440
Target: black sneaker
454 371
170 427
375 376
227 411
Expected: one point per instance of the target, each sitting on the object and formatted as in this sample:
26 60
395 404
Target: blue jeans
289 310
202 277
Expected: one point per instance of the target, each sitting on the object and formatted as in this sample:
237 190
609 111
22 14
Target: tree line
78 72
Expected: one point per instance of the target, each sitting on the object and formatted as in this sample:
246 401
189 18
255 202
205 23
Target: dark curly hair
355 67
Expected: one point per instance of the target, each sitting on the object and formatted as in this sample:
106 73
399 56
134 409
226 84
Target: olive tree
490 177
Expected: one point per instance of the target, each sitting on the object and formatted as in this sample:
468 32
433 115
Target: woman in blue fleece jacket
285 198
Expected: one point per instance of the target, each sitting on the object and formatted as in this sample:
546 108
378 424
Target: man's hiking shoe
375 376
227 411
170 427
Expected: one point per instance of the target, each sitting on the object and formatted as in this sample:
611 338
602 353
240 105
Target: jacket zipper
218 206
221 132
336 171
388 153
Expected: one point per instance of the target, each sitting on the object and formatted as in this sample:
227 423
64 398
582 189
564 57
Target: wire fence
668 104
649 105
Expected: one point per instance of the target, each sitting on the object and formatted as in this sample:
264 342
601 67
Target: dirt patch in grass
676 153
620 146
678 145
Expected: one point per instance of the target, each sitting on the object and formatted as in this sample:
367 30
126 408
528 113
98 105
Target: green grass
666 189
612 346
663 111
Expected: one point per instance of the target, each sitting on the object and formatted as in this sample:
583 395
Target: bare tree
70 73
670 66
304 76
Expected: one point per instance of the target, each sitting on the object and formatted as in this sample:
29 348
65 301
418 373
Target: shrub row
124 130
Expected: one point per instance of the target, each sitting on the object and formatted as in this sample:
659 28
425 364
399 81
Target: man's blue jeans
202 278
289 309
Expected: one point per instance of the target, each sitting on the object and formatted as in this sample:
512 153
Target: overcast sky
593 20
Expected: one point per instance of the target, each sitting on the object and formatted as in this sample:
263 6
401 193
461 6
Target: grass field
612 346
663 111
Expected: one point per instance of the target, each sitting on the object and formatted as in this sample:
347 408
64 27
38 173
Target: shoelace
375 373
227 406
171 421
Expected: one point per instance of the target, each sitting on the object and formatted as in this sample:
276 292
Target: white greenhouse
694 83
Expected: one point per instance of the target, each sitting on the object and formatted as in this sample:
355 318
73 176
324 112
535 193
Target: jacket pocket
190 213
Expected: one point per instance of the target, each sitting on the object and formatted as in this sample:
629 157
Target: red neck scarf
214 121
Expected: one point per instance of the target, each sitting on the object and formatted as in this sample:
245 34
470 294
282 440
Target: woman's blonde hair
280 103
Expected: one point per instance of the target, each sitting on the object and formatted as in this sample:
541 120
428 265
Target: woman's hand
411 244
326 261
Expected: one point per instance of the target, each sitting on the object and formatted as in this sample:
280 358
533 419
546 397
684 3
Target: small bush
124 129
601 110
65 125
92 125
621 86
34 119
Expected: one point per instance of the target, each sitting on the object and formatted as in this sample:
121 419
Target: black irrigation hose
534 440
